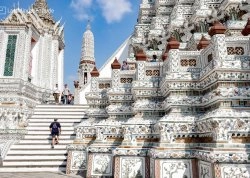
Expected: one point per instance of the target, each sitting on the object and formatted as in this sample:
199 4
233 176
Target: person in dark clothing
55 130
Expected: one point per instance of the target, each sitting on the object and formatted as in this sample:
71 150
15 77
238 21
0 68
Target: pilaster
94 77
219 49
116 66
27 54
35 63
60 71
20 55
140 73
3 48
54 63
46 58
42 60
173 57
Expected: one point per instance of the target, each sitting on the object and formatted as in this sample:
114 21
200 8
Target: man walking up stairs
34 153
55 130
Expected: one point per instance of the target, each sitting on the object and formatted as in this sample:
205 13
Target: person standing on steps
125 66
55 130
56 94
66 93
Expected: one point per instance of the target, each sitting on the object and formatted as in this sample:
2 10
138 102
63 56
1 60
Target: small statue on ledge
245 6
76 84
215 16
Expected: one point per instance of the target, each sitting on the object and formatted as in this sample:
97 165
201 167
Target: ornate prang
185 114
94 72
115 64
203 43
217 28
246 30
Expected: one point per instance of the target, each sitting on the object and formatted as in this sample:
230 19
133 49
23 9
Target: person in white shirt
56 94
66 93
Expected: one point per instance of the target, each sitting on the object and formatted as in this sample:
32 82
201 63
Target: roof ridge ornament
43 11
217 28
94 72
116 64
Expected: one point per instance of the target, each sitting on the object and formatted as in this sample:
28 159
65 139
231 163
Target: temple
181 110
31 58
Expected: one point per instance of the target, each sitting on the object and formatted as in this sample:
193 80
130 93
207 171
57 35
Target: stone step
67 124
34 152
36 158
45 120
44 132
66 112
37 152
33 169
62 106
37 147
59 116
44 141
40 137
35 163
64 128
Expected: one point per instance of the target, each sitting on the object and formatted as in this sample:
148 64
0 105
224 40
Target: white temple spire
87 63
88 45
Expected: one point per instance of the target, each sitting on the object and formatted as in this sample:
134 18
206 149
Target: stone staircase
34 153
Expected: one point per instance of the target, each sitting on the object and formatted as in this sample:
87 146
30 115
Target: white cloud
114 10
81 8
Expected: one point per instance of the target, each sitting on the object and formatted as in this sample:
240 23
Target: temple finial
43 11
88 25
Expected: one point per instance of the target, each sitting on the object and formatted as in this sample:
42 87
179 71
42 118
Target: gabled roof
38 15
121 54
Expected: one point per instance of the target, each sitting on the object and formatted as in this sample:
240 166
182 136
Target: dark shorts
54 134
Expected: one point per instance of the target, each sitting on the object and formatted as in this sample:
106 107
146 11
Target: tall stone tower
87 62
31 58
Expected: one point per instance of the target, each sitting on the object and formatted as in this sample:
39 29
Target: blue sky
112 21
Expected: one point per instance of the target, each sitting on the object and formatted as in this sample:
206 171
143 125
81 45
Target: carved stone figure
23 121
131 167
79 160
127 134
187 31
245 7
214 15
100 134
76 84
101 164
175 169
